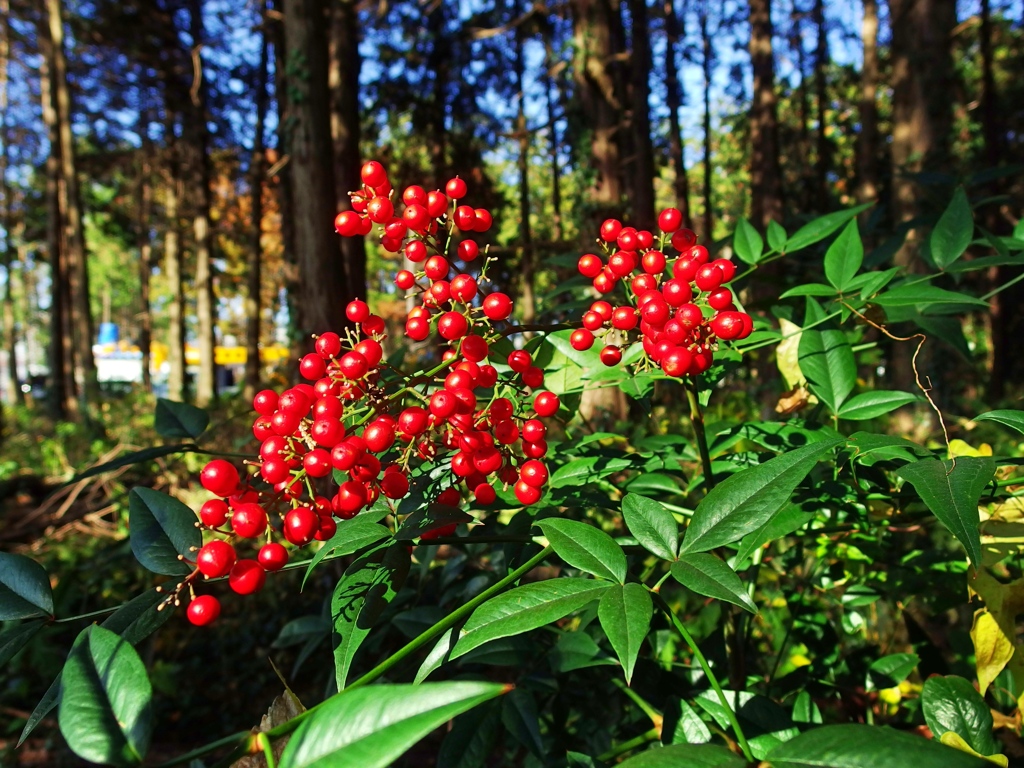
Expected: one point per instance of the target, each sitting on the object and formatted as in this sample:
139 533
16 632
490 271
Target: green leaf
923 296
625 615
865 746
586 547
686 756
952 494
951 703
161 529
889 671
517 611
175 419
24 588
1008 418
809 289
579 471
745 501
362 594
372 727
826 361
13 639
821 227
870 405
134 457
428 518
706 575
682 724
747 242
789 519
351 536
652 525
953 232
105 705
472 737
776 236
520 718
844 257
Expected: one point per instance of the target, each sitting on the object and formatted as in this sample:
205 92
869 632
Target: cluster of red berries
348 436
681 312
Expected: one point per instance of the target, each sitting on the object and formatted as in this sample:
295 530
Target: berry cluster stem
697 419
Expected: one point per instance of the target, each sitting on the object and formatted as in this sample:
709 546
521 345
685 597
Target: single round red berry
526 493
272 556
219 477
456 188
265 402
545 403
670 219
301 525
610 229
534 473
611 355
215 559
497 306
247 577
203 611
357 311
581 339
249 520
214 513
373 174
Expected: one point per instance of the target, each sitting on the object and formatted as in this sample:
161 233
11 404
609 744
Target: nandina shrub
713 595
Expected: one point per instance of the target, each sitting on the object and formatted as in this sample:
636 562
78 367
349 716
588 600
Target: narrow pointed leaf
472 737
351 536
745 501
372 727
951 703
747 242
1008 418
844 257
24 588
682 724
952 494
953 232
15 638
776 236
924 296
625 615
161 529
174 419
686 756
871 405
652 525
706 575
827 362
105 706
821 227
585 547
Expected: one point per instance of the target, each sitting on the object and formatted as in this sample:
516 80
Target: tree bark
707 64
173 268
145 247
674 100
257 169
438 63
765 172
551 94
71 209
206 382
823 154
14 396
867 141
345 63
321 276
527 302
643 150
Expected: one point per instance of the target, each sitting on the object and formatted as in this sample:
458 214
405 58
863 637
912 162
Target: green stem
268 751
637 699
688 638
697 419
205 749
1003 287
629 746
91 614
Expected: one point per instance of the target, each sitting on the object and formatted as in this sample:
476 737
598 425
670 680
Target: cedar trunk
867 141
765 173
674 100
642 174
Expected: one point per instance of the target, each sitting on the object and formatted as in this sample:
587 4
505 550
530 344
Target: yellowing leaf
786 354
992 648
961 448
952 739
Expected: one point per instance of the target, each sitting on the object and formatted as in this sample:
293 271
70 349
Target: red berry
379 436
464 218
592 321
371 350
394 485
590 265
347 223
353 365
413 421
683 239
247 576
436 267
350 498
526 493
219 477
437 204
468 250
653 262
301 525
624 318
708 277
610 229
317 463
533 377
249 520
272 556
611 355
215 559
214 513
474 348
497 306
519 360
373 174
546 403
203 611
452 326
463 288
533 430
581 339
456 188
265 402
484 494
415 251
357 311
720 298
380 210
533 473
312 367
405 280
481 220
670 220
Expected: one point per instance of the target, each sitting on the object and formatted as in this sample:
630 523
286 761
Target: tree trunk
823 155
321 276
172 266
71 209
867 141
642 175
674 100
550 99
765 172
707 63
206 382
63 399
527 303
257 169
438 63
803 192
345 63
10 338
145 246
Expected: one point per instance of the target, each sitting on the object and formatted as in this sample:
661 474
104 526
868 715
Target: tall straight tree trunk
526 277
206 382
283 176
823 153
145 247
867 141
173 270
439 64
257 169
10 337
345 63
321 275
556 170
707 63
71 208
640 90
63 399
674 33
765 171
803 193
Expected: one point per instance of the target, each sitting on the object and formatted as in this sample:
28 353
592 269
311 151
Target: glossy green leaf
776 236
809 289
844 257
585 547
105 705
889 671
686 756
682 724
747 242
953 232
765 723
362 594
923 296
652 525
24 588
162 528
134 457
472 738
826 361
351 536
521 719
821 227
864 746
579 471
625 615
517 611
707 575
952 703
952 494
1008 418
871 405
789 519
428 518
174 419
745 501
13 639
372 727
